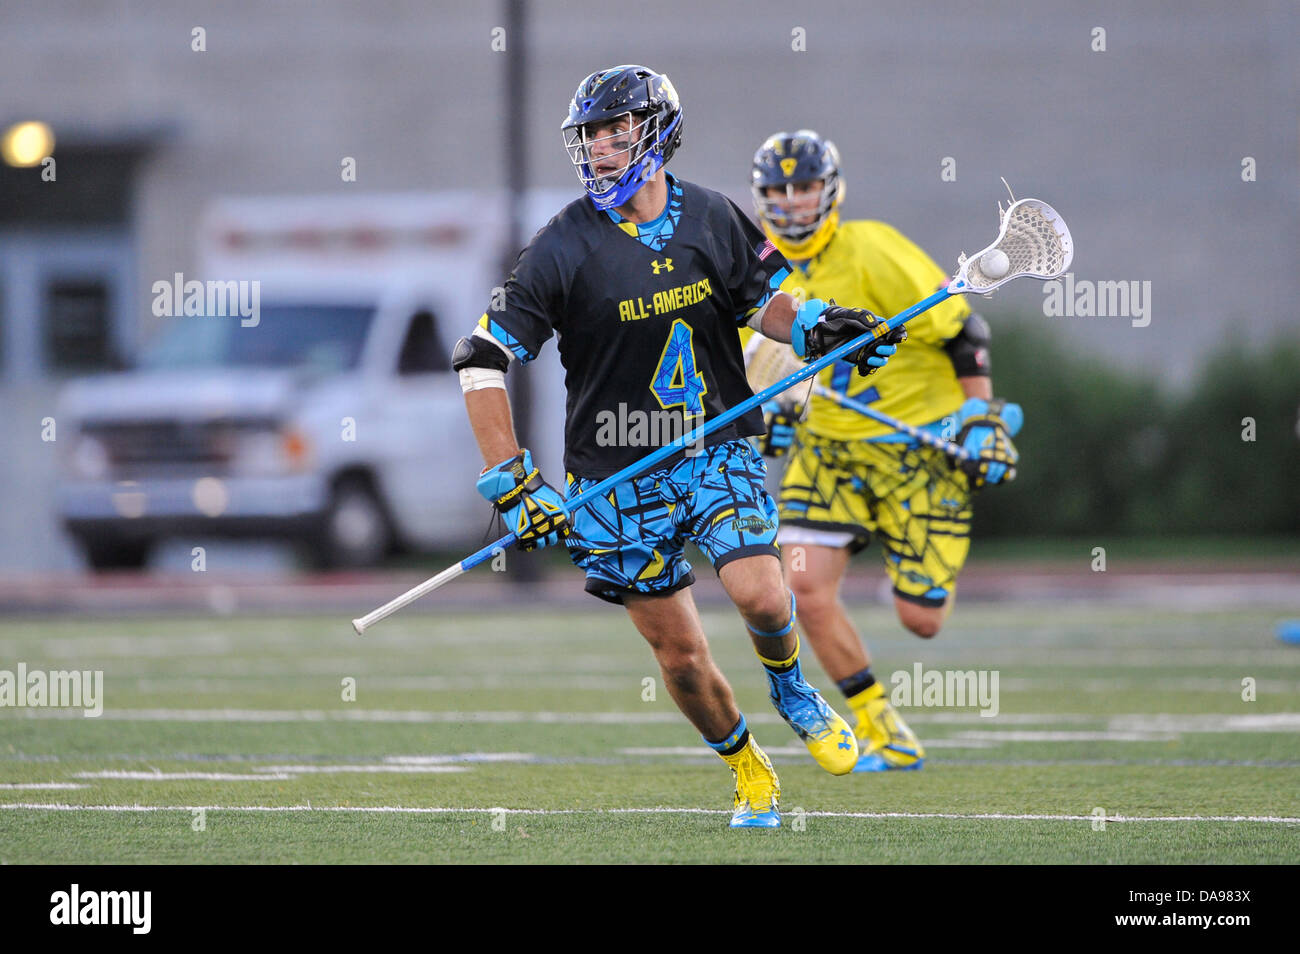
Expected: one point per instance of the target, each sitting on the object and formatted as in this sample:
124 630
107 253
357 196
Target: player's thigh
627 542
755 585
722 504
823 492
923 519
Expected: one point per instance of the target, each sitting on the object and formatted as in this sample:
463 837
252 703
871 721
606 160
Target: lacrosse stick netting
1035 240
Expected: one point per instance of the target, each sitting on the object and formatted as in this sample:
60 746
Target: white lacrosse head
1035 240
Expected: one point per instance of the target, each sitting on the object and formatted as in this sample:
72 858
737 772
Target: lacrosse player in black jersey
646 281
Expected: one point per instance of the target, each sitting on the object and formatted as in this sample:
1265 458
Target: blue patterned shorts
634 544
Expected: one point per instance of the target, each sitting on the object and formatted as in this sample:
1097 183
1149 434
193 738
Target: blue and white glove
820 327
779 420
985 429
532 508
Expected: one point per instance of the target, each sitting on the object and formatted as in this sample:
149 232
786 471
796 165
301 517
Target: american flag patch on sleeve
767 249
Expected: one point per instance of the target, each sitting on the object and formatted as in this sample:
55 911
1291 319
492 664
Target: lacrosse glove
779 419
533 510
820 327
985 429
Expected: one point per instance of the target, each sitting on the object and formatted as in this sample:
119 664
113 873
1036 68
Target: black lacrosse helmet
655 134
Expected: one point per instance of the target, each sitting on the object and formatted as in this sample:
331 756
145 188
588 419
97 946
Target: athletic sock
736 739
863 698
782 667
856 683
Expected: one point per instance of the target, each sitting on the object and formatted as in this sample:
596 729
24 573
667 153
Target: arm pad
477 352
969 349
481 362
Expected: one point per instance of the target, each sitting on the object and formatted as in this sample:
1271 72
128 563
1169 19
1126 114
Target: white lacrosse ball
995 263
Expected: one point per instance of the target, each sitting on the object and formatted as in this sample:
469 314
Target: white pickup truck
331 419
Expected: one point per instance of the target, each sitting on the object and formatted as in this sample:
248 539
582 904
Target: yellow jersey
874 266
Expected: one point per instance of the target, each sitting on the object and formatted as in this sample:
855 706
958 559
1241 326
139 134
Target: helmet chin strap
812 245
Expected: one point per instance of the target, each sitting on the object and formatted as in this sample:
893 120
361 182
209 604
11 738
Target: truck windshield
322 337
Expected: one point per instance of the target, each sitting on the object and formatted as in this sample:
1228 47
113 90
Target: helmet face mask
787 211
789 170
614 158
606 154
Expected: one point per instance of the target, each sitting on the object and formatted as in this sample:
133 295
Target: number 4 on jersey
676 382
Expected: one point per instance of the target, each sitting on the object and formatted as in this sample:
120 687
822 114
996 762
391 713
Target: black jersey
649 339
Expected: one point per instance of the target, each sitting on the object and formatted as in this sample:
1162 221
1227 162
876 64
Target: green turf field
1134 712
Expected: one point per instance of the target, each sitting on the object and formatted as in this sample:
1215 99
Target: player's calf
670 625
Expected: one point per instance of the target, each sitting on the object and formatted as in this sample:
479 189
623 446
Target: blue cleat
828 737
875 762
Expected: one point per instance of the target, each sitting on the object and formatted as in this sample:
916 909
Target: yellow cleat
887 743
758 790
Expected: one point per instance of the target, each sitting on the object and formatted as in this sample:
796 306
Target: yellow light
26 144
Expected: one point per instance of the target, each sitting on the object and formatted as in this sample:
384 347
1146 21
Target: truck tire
356 530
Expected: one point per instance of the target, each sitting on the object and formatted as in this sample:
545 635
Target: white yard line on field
368 715
462 757
182 776
703 752
1137 723
429 810
33 786
270 773
1020 735
462 683
1207 722
294 770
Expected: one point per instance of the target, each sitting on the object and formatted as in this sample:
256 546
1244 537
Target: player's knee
816 597
769 612
764 607
924 621
683 666
925 628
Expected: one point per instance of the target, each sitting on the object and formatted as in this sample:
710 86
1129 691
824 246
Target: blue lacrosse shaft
726 417
925 437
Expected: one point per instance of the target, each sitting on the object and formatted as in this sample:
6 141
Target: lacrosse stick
1037 245
1034 239
768 361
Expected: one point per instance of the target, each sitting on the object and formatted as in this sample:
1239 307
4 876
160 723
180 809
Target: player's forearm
977 386
778 315
494 429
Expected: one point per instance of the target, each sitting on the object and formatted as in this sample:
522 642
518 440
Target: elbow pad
480 362
969 349
476 352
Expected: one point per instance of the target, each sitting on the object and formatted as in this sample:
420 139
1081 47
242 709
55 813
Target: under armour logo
666 265
846 744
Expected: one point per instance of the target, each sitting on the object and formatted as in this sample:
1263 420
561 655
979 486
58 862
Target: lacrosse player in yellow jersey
850 478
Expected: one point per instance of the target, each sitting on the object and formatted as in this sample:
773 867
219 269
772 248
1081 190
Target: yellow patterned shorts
838 494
